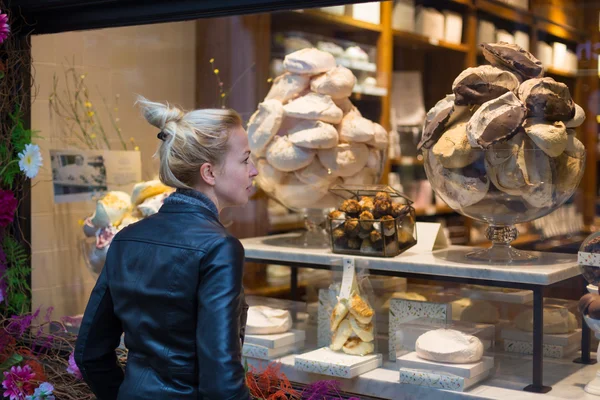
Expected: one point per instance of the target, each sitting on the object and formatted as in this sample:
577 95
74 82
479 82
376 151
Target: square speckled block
403 311
549 350
328 362
439 380
471 370
265 353
276 340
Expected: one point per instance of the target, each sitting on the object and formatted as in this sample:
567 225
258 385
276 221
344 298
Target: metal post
585 340
538 343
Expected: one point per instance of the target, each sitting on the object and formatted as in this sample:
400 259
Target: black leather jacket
173 284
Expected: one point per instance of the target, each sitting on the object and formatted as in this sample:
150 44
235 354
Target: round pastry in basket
374 220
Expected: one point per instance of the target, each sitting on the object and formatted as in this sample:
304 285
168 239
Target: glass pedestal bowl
503 186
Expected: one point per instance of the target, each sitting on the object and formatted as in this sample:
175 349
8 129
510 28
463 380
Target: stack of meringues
307 135
511 120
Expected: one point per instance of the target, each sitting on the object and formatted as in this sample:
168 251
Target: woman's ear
207 173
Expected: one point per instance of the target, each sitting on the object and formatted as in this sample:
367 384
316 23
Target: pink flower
17 382
73 369
8 205
4 28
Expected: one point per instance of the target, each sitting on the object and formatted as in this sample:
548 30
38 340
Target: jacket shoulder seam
128 239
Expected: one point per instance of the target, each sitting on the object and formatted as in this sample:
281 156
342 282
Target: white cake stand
594 386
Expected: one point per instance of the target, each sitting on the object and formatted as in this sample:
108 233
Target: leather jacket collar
190 201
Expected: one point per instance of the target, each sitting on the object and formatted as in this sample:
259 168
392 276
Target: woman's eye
246 160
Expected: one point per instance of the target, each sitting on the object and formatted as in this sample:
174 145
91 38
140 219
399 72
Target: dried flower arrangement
80 118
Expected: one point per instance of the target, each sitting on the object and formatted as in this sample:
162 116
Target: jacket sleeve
220 306
99 336
243 317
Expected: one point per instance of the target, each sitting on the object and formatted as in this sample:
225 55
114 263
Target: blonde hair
190 139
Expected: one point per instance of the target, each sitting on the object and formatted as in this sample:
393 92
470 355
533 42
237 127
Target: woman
173 282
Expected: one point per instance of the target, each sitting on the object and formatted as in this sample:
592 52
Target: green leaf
11 361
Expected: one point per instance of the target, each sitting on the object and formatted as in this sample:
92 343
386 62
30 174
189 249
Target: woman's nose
253 171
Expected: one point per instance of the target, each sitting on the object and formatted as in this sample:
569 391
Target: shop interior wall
157 61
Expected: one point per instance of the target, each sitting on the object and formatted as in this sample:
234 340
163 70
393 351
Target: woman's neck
209 192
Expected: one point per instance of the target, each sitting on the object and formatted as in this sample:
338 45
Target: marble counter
509 378
450 262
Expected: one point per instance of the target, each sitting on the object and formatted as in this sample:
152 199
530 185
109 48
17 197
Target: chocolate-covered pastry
484 83
388 222
382 196
351 227
399 209
350 207
590 305
339 237
577 119
546 98
335 214
453 148
366 220
433 130
496 121
337 218
376 239
367 246
366 204
548 136
593 246
354 243
585 301
382 207
513 57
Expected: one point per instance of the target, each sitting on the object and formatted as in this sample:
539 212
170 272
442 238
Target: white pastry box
559 56
265 353
486 32
522 39
336 10
456 377
403 16
325 361
368 12
544 53
430 22
504 36
453 27
572 61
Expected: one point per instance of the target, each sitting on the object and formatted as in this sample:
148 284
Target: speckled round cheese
449 346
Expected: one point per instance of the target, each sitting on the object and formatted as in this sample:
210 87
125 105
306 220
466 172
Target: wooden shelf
433 210
560 31
406 161
414 40
560 73
305 18
504 11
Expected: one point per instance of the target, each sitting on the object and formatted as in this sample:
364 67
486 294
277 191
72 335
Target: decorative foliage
270 384
18 140
80 117
15 277
222 93
43 348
